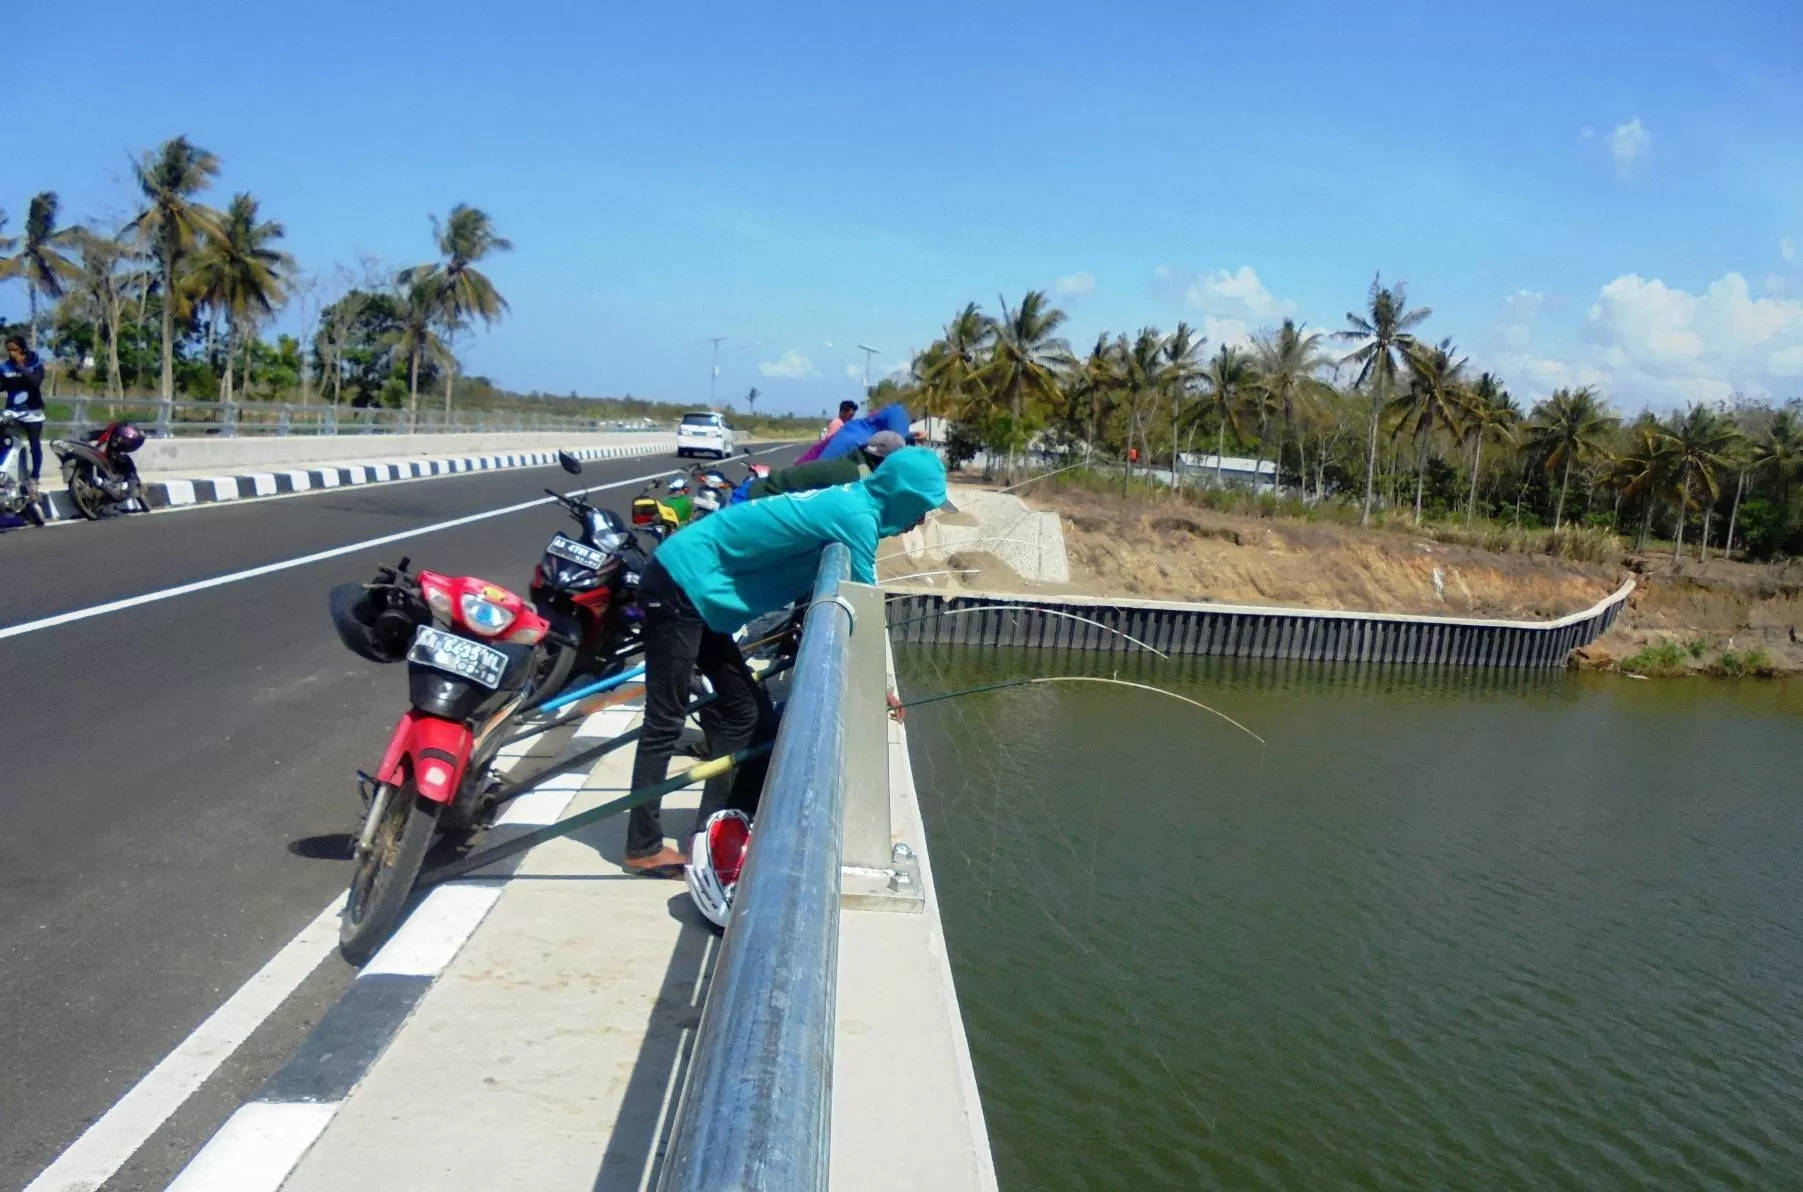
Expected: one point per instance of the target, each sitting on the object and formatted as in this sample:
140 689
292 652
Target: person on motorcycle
22 377
713 577
825 473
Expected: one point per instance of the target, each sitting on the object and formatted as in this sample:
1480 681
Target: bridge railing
181 419
756 1111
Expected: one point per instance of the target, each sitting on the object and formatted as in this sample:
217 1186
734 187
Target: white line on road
257 1148
202 585
104 1147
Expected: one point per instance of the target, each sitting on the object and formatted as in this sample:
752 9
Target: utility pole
713 372
868 353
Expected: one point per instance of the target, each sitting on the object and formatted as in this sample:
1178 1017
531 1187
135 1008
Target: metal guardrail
756 1113
184 419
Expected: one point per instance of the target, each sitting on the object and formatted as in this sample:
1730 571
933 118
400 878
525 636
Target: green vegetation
176 301
1398 427
1733 665
1661 661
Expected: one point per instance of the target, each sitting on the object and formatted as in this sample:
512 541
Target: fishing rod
1050 612
1006 683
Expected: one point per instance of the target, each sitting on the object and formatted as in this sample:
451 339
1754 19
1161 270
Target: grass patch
1696 646
1660 661
1741 664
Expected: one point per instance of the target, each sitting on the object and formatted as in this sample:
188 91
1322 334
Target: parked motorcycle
471 650
585 587
99 472
18 494
669 503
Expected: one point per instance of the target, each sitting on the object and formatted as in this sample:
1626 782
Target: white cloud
1628 144
1520 309
790 364
855 371
1226 333
1229 295
1075 285
1643 342
1787 248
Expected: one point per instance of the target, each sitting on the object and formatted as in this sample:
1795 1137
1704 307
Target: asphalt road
169 767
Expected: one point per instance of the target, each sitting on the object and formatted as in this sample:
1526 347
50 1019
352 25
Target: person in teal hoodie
714 576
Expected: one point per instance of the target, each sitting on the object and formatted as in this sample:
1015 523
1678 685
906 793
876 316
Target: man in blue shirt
715 575
22 379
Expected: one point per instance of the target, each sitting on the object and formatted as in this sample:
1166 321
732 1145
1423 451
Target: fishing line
920 550
945 695
923 574
1050 612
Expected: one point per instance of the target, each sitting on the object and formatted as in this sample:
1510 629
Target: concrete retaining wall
205 455
1242 631
1030 542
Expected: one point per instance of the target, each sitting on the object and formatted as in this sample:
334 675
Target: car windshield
701 420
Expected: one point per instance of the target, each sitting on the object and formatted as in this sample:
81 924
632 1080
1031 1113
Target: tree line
176 297
1373 414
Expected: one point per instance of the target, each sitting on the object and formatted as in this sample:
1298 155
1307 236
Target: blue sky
1606 193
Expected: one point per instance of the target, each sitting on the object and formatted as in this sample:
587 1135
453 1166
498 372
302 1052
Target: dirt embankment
1162 550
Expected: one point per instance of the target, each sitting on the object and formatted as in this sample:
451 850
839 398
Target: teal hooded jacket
753 558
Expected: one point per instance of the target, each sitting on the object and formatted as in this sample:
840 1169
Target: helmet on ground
126 438
716 856
367 626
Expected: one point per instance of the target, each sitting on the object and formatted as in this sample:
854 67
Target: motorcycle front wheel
385 873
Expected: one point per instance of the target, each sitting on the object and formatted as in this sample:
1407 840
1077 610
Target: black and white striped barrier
173 494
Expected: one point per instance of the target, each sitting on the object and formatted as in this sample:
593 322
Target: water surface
1442 932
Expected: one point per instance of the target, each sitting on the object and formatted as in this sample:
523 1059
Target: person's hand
899 713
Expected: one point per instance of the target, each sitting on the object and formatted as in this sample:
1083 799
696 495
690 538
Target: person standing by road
847 411
714 576
22 377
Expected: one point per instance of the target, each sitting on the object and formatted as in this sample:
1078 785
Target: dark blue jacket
24 386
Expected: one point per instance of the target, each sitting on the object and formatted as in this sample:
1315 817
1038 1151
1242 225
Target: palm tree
1490 413
1779 453
1226 380
1143 372
1025 360
751 401
40 260
172 223
241 274
950 366
1569 427
463 292
1285 364
1641 470
1696 445
1181 349
1383 334
416 338
1434 400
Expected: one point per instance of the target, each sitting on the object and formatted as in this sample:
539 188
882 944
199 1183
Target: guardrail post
165 418
756 1114
81 411
285 421
229 419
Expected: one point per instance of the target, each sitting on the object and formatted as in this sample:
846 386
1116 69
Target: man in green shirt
827 473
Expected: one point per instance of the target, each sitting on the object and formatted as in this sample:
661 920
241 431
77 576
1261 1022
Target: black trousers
677 644
34 432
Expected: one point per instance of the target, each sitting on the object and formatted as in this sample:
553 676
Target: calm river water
1442 932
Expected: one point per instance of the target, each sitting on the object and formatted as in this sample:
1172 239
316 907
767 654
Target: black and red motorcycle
585 587
99 472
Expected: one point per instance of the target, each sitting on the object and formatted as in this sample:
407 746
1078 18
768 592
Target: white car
704 432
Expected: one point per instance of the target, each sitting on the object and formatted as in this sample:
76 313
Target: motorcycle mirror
569 463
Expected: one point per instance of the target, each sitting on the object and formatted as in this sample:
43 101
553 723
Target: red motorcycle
98 470
471 650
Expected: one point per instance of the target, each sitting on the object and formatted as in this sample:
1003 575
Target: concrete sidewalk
549 1052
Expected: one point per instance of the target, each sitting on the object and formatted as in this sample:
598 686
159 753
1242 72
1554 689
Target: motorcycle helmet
715 478
761 471
367 626
677 484
716 856
125 439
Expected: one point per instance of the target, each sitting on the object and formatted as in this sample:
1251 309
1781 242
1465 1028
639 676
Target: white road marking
257 1148
104 1147
114 606
435 930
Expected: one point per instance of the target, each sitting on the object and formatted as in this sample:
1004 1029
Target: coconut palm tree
416 338
240 273
1143 368
1025 360
1182 349
1433 401
1383 334
949 367
1089 389
173 223
463 292
1778 455
1696 445
1226 380
1490 413
1640 470
41 259
1572 426
1285 365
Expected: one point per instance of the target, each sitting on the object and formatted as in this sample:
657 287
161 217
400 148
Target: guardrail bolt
901 852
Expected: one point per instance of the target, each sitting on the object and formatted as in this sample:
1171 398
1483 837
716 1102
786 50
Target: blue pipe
595 688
